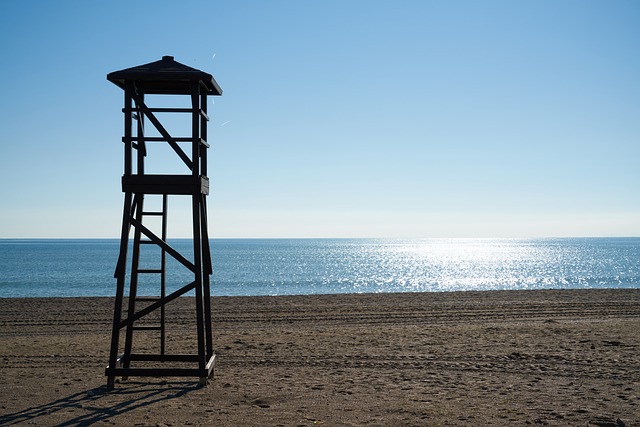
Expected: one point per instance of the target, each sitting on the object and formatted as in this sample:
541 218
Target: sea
252 267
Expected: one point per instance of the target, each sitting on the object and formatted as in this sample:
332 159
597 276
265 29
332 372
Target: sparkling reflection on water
338 266
57 268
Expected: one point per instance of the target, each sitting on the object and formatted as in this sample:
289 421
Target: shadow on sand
99 404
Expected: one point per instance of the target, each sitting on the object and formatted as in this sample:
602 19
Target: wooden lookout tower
136 314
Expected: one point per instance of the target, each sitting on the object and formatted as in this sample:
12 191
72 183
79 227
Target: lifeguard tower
135 314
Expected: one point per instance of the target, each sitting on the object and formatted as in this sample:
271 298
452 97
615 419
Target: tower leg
163 277
120 276
208 270
197 254
133 289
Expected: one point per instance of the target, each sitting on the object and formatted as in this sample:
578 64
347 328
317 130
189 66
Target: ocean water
70 268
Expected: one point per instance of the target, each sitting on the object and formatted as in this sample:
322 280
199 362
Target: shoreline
472 291
524 357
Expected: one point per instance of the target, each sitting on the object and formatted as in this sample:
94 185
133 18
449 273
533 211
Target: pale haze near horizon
338 119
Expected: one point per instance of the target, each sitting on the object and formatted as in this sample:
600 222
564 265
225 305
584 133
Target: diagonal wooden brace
157 304
158 241
153 119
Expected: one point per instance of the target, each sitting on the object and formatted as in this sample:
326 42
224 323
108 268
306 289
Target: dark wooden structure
145 314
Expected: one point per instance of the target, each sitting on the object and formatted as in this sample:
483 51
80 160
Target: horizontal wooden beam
157 372
163 139
163 372
165 184
169 110
163 357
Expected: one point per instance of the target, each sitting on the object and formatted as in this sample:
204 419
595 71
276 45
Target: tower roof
166 76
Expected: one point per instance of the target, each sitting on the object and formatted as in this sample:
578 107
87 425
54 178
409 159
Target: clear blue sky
339 118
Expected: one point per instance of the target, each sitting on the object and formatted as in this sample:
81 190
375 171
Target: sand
513 358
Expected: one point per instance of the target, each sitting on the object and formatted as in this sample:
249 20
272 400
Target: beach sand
500 358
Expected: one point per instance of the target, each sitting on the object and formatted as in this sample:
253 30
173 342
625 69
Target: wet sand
512 358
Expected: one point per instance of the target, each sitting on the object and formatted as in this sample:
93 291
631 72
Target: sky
340 118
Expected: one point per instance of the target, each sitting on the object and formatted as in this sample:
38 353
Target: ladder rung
147 328
153 213
149 271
